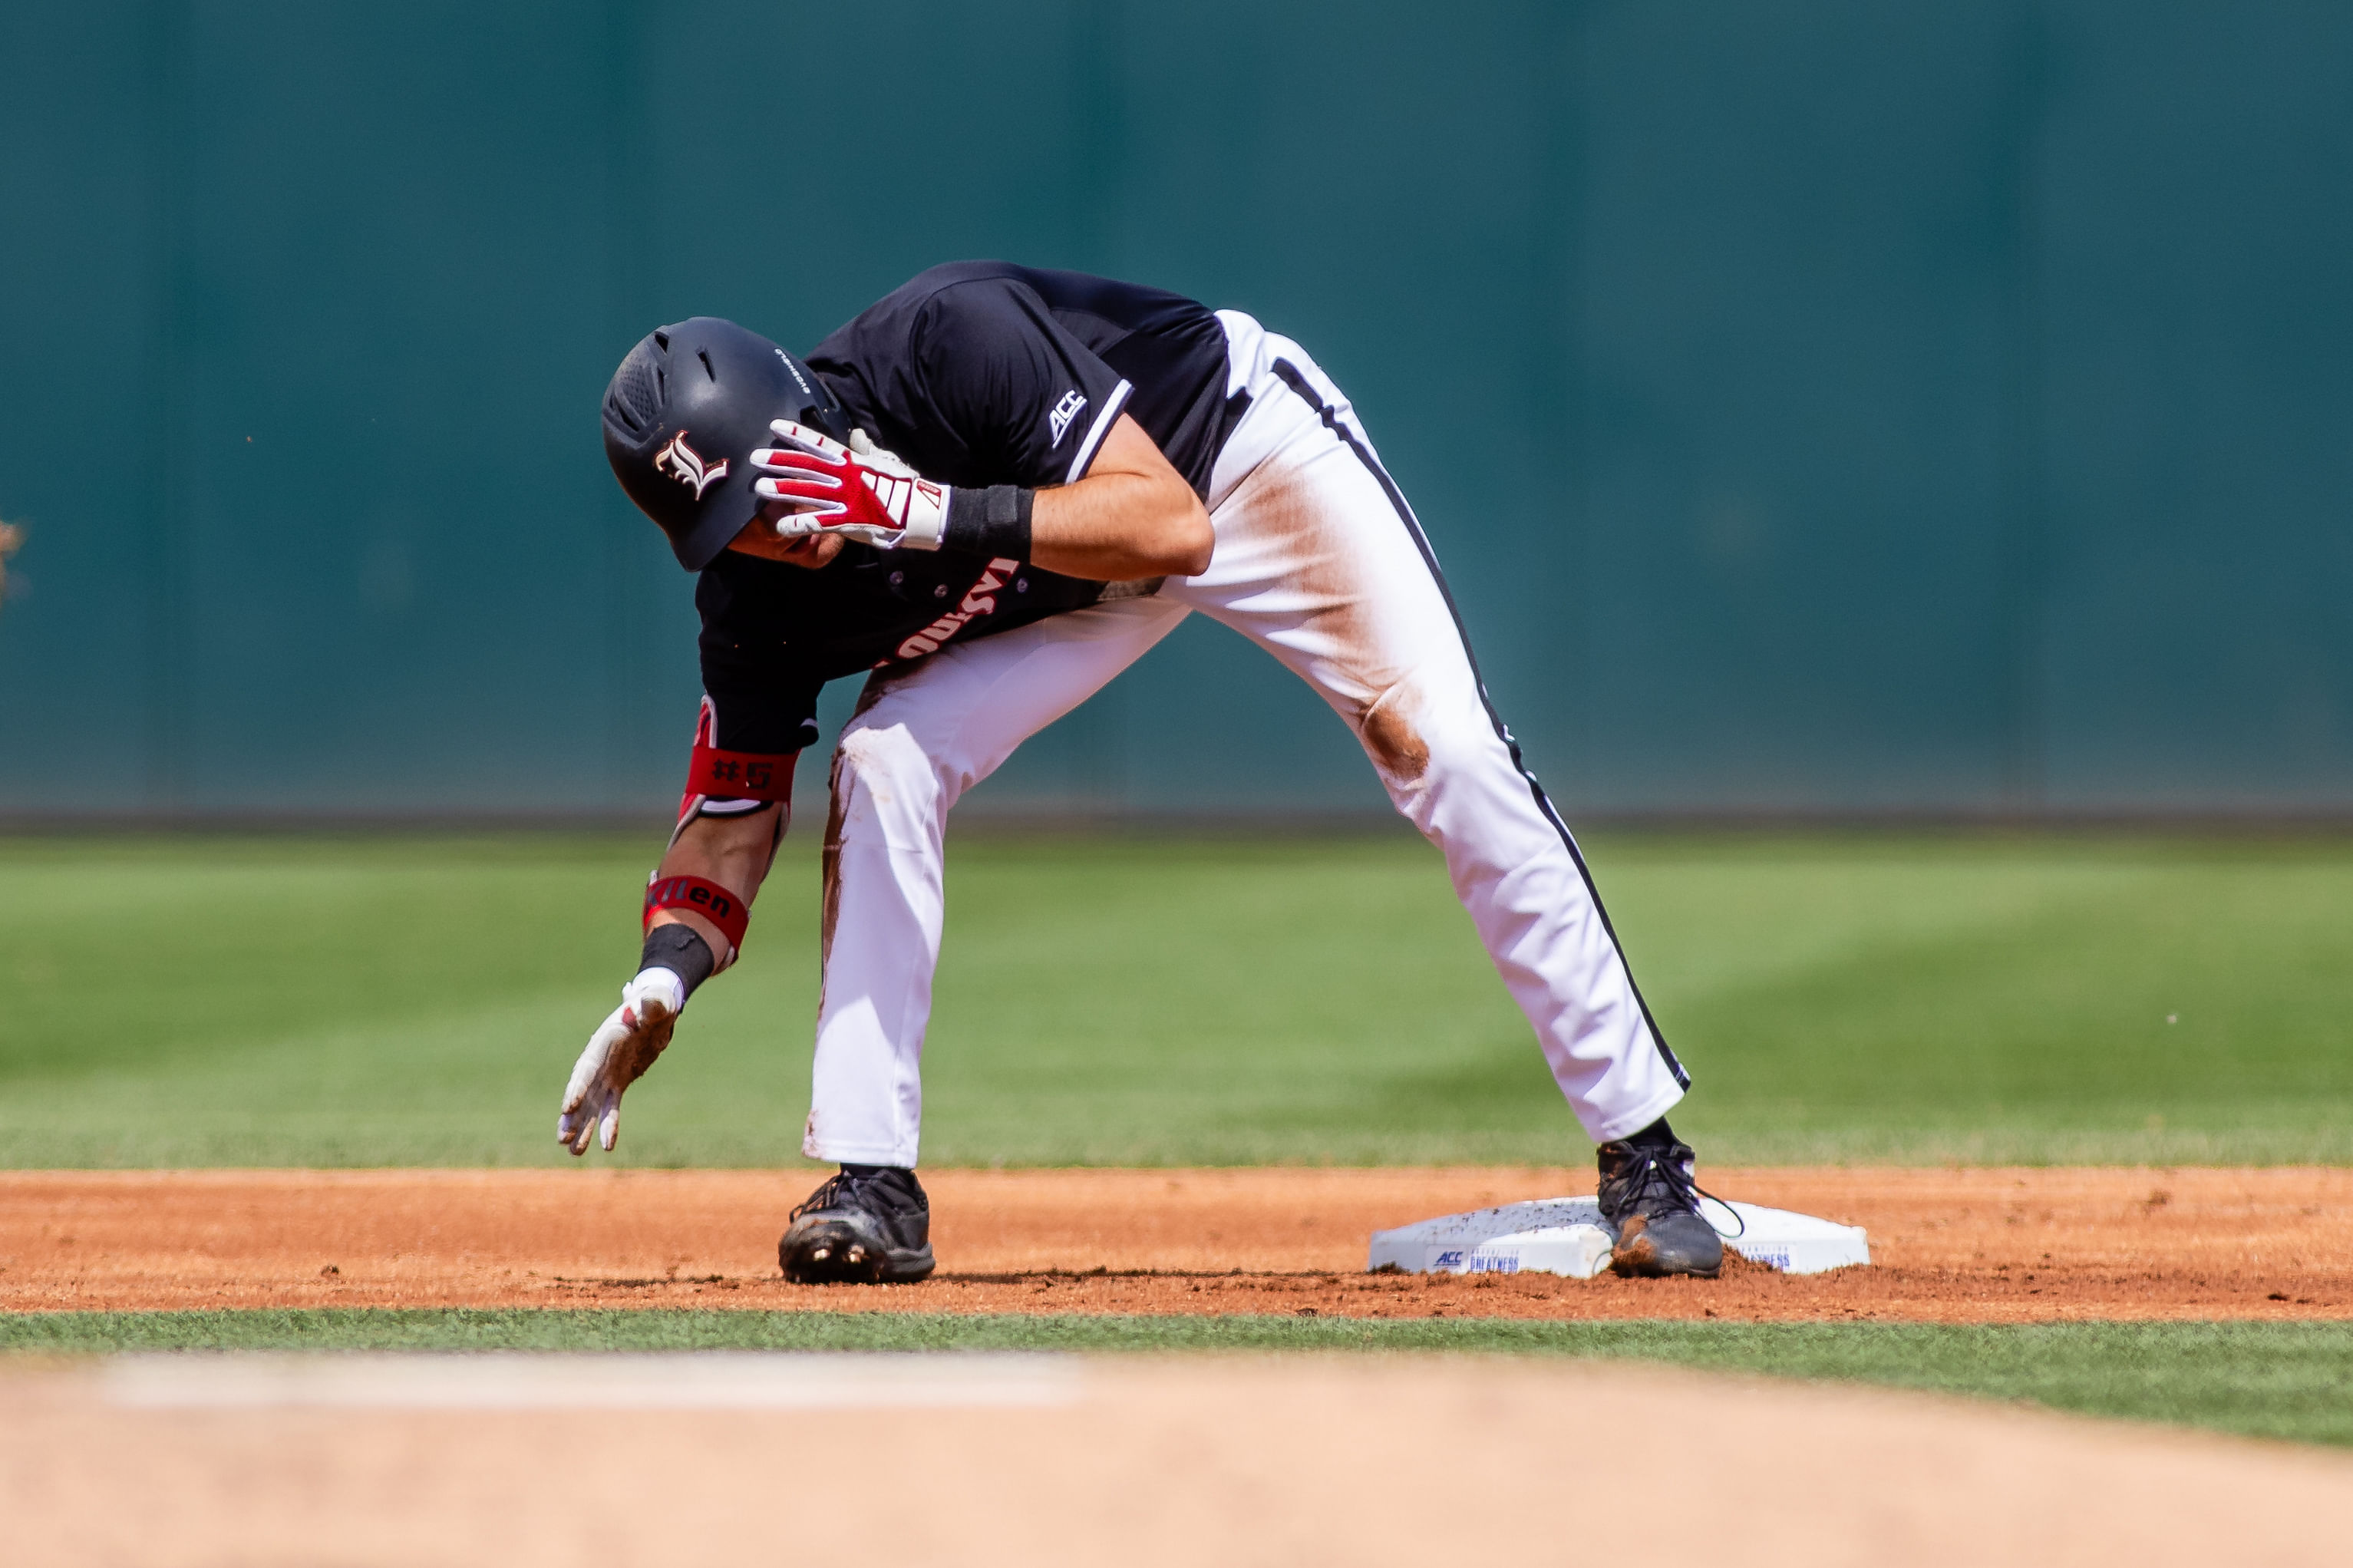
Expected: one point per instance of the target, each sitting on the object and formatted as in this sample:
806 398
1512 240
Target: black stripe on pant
1298 383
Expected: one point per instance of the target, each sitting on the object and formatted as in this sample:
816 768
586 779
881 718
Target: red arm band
706 898
732 775
740 775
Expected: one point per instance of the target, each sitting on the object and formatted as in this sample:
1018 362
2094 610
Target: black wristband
678 948
993 522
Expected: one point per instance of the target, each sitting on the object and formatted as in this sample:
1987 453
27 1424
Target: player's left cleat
869 1225
1648 1196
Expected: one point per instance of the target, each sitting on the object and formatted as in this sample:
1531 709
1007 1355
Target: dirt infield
1952 1245
1371 1460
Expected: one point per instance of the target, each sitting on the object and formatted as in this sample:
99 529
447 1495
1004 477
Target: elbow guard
716 774
739 775
722 783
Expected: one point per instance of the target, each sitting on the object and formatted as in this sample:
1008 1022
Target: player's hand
859 491
617 1055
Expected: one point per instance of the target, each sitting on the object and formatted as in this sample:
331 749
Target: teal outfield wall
1820 404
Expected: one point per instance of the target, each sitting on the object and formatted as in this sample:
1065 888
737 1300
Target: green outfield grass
2271 1380
396 1001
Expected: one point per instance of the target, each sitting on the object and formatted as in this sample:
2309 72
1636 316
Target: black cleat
1651 1204
868 1225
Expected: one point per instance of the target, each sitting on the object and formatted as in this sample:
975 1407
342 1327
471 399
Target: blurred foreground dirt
1971 1244
1360 1460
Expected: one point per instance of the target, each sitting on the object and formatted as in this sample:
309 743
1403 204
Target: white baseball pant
1320 562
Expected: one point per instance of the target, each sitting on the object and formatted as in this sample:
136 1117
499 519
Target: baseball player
988 494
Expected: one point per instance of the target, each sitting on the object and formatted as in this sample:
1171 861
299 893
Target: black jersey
773 634
984 373
977 373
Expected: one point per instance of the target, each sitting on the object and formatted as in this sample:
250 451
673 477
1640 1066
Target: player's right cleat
869 1224
1648 1196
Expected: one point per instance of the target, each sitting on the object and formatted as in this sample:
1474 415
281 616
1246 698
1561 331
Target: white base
1567 1236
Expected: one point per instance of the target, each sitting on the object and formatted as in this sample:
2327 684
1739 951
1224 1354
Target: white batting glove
617 1055
859 492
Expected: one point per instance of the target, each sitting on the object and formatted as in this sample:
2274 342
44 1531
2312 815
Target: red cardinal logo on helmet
683 463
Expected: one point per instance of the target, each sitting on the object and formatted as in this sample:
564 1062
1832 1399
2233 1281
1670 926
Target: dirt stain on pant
1396 747
1378 700
879 685
829 858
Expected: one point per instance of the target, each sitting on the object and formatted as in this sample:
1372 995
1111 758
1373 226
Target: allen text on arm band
704 898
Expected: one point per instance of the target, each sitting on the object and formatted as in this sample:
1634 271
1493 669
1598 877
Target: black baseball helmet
682 415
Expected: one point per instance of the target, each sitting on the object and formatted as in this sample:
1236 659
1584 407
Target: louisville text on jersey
979 601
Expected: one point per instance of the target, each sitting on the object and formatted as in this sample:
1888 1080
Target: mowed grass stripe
1172 1002
2292 1381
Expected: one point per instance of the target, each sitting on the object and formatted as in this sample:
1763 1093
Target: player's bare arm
734 853
1133 516
724 859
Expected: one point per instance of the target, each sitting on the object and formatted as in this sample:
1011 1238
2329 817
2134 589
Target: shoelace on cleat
1680 1186
840 1185
839 1189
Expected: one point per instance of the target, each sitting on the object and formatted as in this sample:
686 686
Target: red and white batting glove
859 491
617 1055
